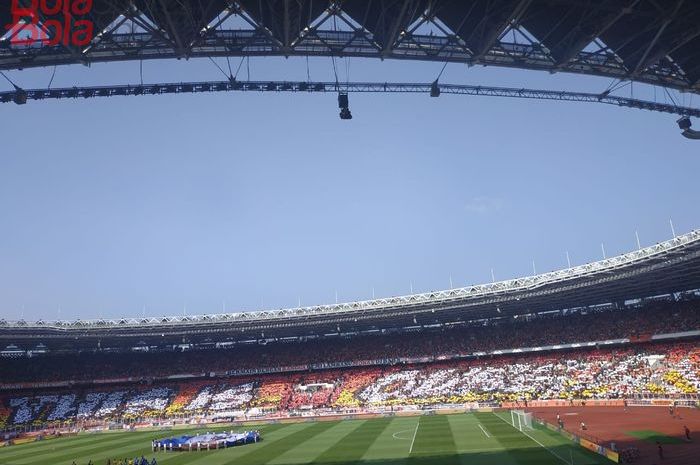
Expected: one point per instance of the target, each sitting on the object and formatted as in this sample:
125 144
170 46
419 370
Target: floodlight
20 96
684 123
343 104
434 89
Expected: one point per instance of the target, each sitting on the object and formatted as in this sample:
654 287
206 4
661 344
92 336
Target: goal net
521 420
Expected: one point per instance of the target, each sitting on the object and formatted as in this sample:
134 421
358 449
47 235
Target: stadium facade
667 268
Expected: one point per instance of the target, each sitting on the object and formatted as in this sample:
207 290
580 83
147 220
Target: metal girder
382 87
300 28
284 19
180 49
642 63
405 14
382 19
579 38
654 55
492 33
74 52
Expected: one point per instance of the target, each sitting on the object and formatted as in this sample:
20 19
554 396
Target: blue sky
197 203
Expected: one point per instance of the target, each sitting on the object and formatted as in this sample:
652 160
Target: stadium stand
481 336
597 355
669 369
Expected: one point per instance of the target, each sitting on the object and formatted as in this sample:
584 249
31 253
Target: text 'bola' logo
50 22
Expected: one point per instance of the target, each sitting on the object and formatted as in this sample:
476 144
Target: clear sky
196 203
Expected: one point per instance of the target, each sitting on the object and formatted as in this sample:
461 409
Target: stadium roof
652 41
665 268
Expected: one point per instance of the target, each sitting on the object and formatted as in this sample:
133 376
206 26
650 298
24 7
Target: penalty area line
536 441
396 434
410 451
484 431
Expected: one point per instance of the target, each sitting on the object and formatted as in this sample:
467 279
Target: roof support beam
390 38
256 23
664 24
228 12
155 31
494 33
179 47
287 26
661 52
695 84
577 44
72 50
191 28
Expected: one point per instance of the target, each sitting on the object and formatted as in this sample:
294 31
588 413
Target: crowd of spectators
612 374
667 369
506 333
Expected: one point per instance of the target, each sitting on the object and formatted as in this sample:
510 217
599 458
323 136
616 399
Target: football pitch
474 438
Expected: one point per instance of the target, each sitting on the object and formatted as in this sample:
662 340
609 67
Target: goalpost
521 420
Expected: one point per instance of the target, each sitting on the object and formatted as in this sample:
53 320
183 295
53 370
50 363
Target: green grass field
653 436
479 438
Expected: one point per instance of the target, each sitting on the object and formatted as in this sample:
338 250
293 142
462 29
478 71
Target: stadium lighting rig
434 89
684 123
20 97
344 105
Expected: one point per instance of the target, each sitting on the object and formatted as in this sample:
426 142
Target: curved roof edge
434 297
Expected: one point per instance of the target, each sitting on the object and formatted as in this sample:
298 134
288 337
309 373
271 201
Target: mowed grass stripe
561 446
522 449
271 451
473 446
67 456
314 447
84 439
77 451
142 447
39 447
439 440
129 445
105 438
351 448
515 444
567 450
433 437
33 448
393 444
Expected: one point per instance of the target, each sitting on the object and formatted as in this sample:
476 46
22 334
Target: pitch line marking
538 442
468 451
482 429
395 435
414 437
